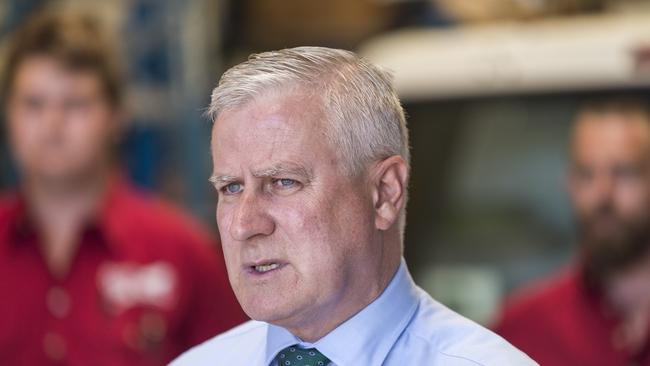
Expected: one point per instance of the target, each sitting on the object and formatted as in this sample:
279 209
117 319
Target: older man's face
298 236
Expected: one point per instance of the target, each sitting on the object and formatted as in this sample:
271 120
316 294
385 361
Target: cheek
585 197
231 256
230 247
305 220
222 216
304 231
633 199
90 133
325 232
22 130
24 142
583 203
23 117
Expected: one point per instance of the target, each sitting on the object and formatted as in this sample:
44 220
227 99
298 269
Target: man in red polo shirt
92 272
598 311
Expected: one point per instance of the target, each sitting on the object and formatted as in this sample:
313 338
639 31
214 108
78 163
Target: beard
611 243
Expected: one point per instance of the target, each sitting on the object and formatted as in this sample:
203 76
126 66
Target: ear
389 179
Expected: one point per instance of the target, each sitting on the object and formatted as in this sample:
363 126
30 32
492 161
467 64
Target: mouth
264 267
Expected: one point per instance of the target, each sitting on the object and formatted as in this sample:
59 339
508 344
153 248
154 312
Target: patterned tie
294 356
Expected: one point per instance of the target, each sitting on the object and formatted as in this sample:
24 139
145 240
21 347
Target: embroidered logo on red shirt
125 285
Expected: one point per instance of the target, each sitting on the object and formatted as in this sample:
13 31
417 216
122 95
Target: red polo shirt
145 284
561 322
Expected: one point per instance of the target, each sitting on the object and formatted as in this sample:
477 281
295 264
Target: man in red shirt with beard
598 311
92 271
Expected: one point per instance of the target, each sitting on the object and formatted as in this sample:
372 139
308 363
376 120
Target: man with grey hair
311 166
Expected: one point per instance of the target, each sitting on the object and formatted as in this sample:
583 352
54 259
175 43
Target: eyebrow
221 179
282 169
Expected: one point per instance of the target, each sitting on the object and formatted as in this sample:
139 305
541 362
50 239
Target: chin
261 310
64 172
272 311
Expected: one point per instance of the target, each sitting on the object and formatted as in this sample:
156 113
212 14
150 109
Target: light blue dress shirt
404 326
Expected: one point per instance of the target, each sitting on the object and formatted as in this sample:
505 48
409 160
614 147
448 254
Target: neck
60 209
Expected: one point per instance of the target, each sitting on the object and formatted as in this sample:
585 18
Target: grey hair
366 122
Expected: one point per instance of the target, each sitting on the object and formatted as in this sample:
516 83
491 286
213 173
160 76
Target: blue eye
285 182
232 188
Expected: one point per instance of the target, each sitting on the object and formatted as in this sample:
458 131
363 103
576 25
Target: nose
52 119
250 218
604 188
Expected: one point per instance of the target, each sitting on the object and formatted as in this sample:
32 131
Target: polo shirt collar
109 222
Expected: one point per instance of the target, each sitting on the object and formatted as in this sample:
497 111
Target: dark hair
624 103
75 40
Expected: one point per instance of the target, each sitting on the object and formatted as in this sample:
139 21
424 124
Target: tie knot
294 356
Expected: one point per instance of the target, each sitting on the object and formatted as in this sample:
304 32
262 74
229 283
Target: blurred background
490 88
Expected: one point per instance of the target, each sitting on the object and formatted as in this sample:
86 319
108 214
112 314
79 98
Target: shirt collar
367 337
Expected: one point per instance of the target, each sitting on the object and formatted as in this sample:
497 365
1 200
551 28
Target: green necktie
294 356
